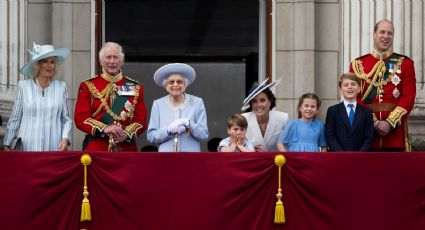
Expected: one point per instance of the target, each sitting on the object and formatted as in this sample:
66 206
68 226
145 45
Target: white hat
44 51
258 90
174 68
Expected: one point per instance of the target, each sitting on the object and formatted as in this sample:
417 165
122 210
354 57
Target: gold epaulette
395 116
95 124
133 80
91 78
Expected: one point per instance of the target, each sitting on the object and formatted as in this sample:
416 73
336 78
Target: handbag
16 144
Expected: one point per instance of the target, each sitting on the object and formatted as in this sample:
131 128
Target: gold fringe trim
131 129
279 213
395 116
95 124
85 206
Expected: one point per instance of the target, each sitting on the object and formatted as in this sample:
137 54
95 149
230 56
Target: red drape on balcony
43 190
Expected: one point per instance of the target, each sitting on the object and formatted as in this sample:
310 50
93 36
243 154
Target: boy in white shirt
349 125
236 142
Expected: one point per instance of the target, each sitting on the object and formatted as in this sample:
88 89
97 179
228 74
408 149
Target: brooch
396 93
395 79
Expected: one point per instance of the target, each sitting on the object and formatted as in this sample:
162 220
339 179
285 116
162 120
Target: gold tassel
85 206
407 140
279 213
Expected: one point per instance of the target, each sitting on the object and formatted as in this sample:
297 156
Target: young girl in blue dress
305 134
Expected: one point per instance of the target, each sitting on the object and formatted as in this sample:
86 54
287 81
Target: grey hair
111 44
35 68
164 82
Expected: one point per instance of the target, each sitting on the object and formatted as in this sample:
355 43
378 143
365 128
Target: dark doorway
219 38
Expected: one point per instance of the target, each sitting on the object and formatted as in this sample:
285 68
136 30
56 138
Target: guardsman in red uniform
110 107
388 89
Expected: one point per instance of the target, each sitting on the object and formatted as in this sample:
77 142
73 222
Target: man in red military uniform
388 89
110 107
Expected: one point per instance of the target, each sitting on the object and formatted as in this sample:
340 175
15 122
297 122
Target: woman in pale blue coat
178 121
40 115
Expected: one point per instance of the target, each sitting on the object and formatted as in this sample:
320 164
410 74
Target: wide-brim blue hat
40 52
174 68
256 91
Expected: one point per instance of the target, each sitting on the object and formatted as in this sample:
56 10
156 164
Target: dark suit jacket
341 137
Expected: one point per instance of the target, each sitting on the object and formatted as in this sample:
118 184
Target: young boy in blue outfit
236 142
349 125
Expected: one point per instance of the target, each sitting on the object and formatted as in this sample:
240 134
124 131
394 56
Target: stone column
307 52
12 43
63 23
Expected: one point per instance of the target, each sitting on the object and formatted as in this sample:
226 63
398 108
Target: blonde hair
35 68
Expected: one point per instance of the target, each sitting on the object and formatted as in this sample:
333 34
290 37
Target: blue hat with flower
40 52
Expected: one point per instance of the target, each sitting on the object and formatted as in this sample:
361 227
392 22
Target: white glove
178 126
172 127
183 121
180 129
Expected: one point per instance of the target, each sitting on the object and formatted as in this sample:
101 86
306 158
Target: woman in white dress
40 115
178 121
264 123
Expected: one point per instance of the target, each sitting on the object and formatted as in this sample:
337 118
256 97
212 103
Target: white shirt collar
350 102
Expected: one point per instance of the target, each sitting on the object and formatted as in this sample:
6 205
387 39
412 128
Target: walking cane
176 142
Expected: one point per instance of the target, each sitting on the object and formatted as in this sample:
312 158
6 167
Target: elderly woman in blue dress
178 121
40 115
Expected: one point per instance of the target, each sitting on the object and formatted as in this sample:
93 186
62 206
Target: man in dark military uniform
388 89
110 107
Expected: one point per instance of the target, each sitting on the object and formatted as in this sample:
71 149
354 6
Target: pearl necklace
174 104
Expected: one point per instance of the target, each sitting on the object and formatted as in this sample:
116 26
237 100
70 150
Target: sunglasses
178 82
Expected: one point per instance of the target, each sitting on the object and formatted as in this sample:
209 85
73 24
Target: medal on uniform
391 67
396 80
396 93
126 90
128 106
123 114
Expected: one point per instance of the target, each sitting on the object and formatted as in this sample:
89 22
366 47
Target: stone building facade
313 43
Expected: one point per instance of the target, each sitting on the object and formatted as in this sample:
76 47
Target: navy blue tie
351 114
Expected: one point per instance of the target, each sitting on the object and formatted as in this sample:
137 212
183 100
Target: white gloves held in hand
178 126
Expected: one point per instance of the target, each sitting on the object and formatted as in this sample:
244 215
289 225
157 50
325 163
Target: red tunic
391 97
94 110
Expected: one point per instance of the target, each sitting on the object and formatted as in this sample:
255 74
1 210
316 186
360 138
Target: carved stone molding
5 111
417 125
